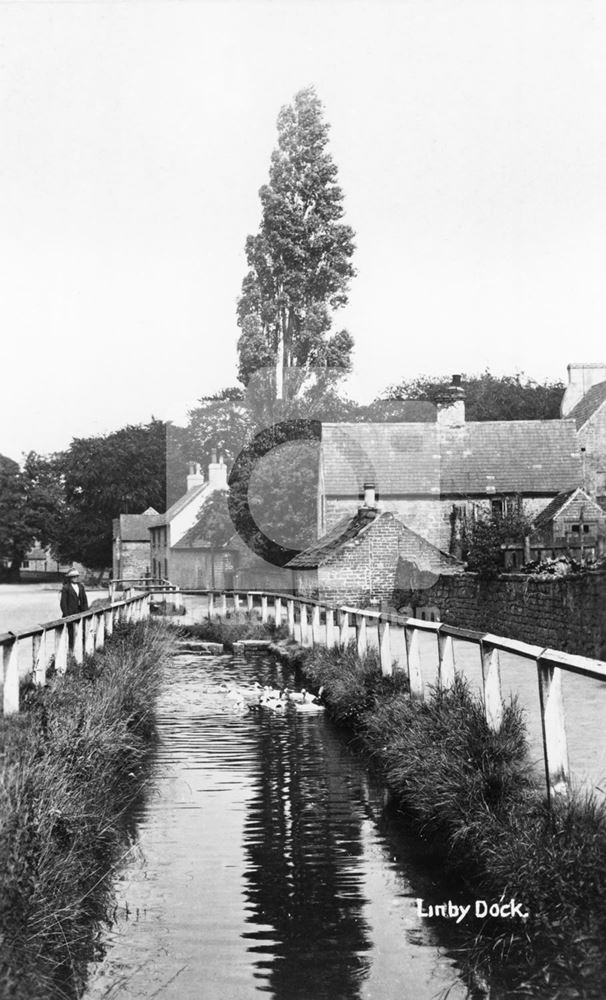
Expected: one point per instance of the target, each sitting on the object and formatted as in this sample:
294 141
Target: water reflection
304 879
260 866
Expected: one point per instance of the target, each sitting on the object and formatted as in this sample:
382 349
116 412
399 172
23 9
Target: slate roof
480 458
343 531
196 493
411 546
552 509
135 527
587 406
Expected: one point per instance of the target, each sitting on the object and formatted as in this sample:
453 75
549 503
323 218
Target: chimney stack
195 476
581 377
450 405
217 473
370 497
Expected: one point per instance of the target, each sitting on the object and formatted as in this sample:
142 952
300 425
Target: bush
71 762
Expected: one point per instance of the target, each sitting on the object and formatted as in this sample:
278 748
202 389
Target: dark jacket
72 603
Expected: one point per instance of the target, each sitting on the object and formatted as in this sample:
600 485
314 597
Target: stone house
572 523
130 544
433 475
167 561
585 402
368 556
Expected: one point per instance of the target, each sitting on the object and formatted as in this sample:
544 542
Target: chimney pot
214 457
456 380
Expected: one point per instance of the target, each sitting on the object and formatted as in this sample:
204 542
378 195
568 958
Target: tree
219 423
486 537
30 506
300 260
103 477
488 396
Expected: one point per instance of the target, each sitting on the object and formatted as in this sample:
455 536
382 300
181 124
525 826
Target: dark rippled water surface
264 863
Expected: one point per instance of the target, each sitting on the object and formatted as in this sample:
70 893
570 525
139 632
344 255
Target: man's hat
73 572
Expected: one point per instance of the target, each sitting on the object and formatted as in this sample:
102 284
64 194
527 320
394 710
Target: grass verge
71 762
472 795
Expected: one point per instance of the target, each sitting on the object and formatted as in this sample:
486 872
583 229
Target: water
264 864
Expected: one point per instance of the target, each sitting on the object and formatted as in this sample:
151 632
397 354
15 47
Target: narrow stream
265 863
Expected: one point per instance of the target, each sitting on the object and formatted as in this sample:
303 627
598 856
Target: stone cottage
368 556
130 544
433 475
585 402
572 523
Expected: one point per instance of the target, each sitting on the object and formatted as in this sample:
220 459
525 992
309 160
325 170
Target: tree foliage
486 537
103 477
299 263
30 507
488 396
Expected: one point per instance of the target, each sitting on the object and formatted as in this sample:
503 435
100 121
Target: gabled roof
135 527
411 546
345 530
558 503
197 494
480 458
587 406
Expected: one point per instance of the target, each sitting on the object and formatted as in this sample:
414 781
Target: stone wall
566 613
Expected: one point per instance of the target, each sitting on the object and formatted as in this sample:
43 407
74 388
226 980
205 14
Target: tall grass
71 762
471 794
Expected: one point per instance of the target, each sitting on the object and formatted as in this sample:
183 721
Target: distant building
585 402
168 561
131 556
573 523
39 564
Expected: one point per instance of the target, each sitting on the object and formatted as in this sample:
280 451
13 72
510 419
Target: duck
310 706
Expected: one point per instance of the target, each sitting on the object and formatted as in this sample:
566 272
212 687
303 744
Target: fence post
361 638
385 648
278 611
305 639
100 631
236 604
77 650
39 659
491 683
145 607
224 604
331 639
290 613
555 747
264 608
89 635
61 644
315 625
211 604
109 622
10 660
250 602
446 661
343 628
413 657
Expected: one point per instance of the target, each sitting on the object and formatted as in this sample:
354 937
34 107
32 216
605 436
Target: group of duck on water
273 699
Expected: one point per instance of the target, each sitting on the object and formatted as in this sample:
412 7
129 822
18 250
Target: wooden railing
397 639
78 635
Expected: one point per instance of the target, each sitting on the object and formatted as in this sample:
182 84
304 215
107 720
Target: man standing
73 595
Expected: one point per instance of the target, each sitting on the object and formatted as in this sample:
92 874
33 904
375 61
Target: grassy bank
234 628
470 793
71 763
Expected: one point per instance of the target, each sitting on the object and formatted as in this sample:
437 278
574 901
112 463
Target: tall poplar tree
300 260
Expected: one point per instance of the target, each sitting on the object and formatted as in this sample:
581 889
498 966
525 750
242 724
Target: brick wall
567 613
592 436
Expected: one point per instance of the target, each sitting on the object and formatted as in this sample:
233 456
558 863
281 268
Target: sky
470 139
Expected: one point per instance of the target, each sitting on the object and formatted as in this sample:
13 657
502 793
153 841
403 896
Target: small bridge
309 622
